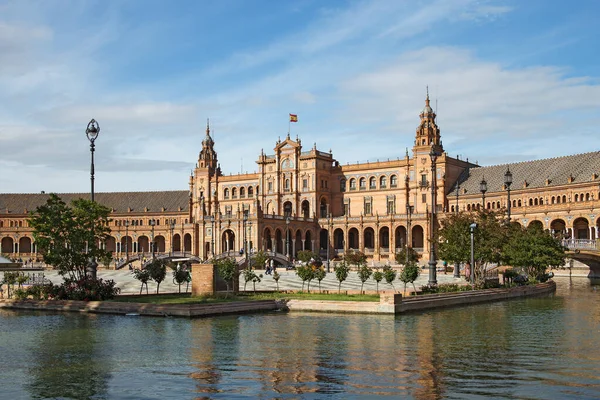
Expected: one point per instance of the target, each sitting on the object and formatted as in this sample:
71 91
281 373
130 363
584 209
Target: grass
186 298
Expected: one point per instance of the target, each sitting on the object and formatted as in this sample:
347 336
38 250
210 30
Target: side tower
205 179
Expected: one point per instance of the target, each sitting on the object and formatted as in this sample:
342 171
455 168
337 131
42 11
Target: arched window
535 202
519 203
576 197
587 197
564 198
468 207
372 183
343 185
514 204
352 184
225 193
541 201
488 205
393 181
362 183
233 193
497 204
553 200
242 192
451 208
287 184
383 182
530 202
250 191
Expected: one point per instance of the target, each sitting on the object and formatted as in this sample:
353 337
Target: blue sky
513 80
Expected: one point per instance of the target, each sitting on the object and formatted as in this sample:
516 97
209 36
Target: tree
306 256
378 277
66 235
320 275
181 274
306 273
389 275
227 269
364 273
158 271
250 276
412 255
142 275
259 259
341 273
533 250
355 257
276 277
490 237
409 274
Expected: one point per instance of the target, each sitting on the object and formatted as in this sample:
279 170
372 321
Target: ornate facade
304 199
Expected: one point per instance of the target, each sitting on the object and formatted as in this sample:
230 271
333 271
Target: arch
323 207
468 207
126 244
553 200
353 239
187 242
338 239
227 241
286 184
369 238
400 235
393 181
242 192
384 238
451 208
519 203
159 242
564 198
558 227
268 240
541 201
305 209
308 241
287 209
323 239
225 193
418 238
7 245
498 204
383 182
250 191
278 241
143 244
177 242
372 183
25 245
352 184
535 224
581 228
535 201
269 207
298 244
362 183
234 193
587 197
111 244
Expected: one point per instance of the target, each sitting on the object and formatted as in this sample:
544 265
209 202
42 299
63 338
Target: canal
538 348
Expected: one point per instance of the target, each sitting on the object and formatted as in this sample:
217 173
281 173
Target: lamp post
152 245
172 227
287 241
126 241
244 222
483 189
432 260
328 232
408 212
92 131
457 191
508 181
212 237
472 226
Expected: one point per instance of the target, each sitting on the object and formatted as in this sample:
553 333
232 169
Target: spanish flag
293 118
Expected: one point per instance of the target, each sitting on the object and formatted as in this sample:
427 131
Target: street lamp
508 181
432 261
212 223
126 240
245 220
287 241
172 226
483 189
328 232
152 223
472 226
92 131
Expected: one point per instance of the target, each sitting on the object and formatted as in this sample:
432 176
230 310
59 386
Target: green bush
85 289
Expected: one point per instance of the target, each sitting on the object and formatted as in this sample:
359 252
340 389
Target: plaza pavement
288 281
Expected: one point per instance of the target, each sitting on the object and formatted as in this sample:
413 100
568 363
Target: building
303 199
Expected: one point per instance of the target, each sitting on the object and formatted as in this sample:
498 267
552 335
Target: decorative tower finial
207 127
427 88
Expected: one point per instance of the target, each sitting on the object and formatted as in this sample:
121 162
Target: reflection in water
539 348
68 365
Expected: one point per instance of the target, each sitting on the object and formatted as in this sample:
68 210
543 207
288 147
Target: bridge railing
580 244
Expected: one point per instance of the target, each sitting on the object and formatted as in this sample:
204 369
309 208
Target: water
539 348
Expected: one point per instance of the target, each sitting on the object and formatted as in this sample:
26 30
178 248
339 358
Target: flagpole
289 124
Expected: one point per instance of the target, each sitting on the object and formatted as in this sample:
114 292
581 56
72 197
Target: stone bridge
586 253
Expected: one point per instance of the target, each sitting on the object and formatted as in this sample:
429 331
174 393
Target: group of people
270 267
